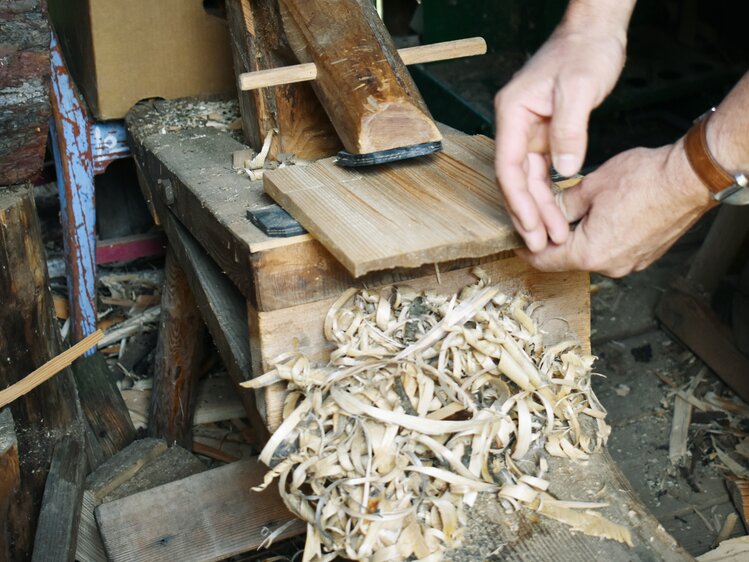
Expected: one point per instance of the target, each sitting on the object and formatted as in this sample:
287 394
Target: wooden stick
49 369
410 55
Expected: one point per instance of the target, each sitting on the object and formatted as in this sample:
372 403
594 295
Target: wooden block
677 446
258 42
57 530
209 516
10 476
178 355
564 296
361 82
427 210
732 550
24 90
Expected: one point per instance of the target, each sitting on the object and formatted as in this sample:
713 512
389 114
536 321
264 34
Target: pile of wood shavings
426 401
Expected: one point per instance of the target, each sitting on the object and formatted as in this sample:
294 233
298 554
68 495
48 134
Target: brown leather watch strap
712 174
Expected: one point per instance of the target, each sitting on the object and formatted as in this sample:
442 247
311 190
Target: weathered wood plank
209 516
258 42
24 89
178 355
57 531
428 210
564 295
10 476
108 425
29 337
361 80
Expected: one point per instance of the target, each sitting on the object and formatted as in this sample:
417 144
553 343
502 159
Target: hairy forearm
728 129
606 16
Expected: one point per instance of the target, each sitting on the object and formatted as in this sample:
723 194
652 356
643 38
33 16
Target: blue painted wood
108 143
71 134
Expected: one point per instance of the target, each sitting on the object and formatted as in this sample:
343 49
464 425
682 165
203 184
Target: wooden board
425 210
209 516
564 295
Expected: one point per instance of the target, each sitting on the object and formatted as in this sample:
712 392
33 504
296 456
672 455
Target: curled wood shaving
428 400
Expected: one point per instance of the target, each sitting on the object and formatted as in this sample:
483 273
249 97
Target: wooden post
178 354
10 476
29 337
258 43
361 82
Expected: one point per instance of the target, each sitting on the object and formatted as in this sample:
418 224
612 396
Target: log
258 42
178 355
361 82
24 89
29 337
57 531
10 476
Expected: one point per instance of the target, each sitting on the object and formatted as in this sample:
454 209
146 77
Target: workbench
261 296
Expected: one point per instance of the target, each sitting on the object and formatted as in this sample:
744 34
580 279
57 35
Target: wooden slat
426 210
178 355
361 82
258 43
209 516
564 295
57 531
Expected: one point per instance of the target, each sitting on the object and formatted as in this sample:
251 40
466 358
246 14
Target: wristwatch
724 186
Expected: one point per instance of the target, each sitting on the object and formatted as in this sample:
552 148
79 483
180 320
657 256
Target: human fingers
513 130
539 185
574 202
574 99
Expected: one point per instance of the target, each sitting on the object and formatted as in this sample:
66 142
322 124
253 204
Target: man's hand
631 210
545 109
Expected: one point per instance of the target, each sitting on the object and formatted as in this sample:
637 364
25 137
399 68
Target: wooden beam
209 516
24 90
108 425
300 327
258 42
57 532
10 477
30 337
448 204
178 355
361 82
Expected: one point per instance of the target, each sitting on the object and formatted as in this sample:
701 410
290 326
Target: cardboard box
123 51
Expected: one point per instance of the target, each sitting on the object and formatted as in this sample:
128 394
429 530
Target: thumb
574 202
574 99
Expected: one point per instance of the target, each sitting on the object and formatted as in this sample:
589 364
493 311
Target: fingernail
566 164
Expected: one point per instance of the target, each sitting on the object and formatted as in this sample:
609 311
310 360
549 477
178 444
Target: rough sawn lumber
426 210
